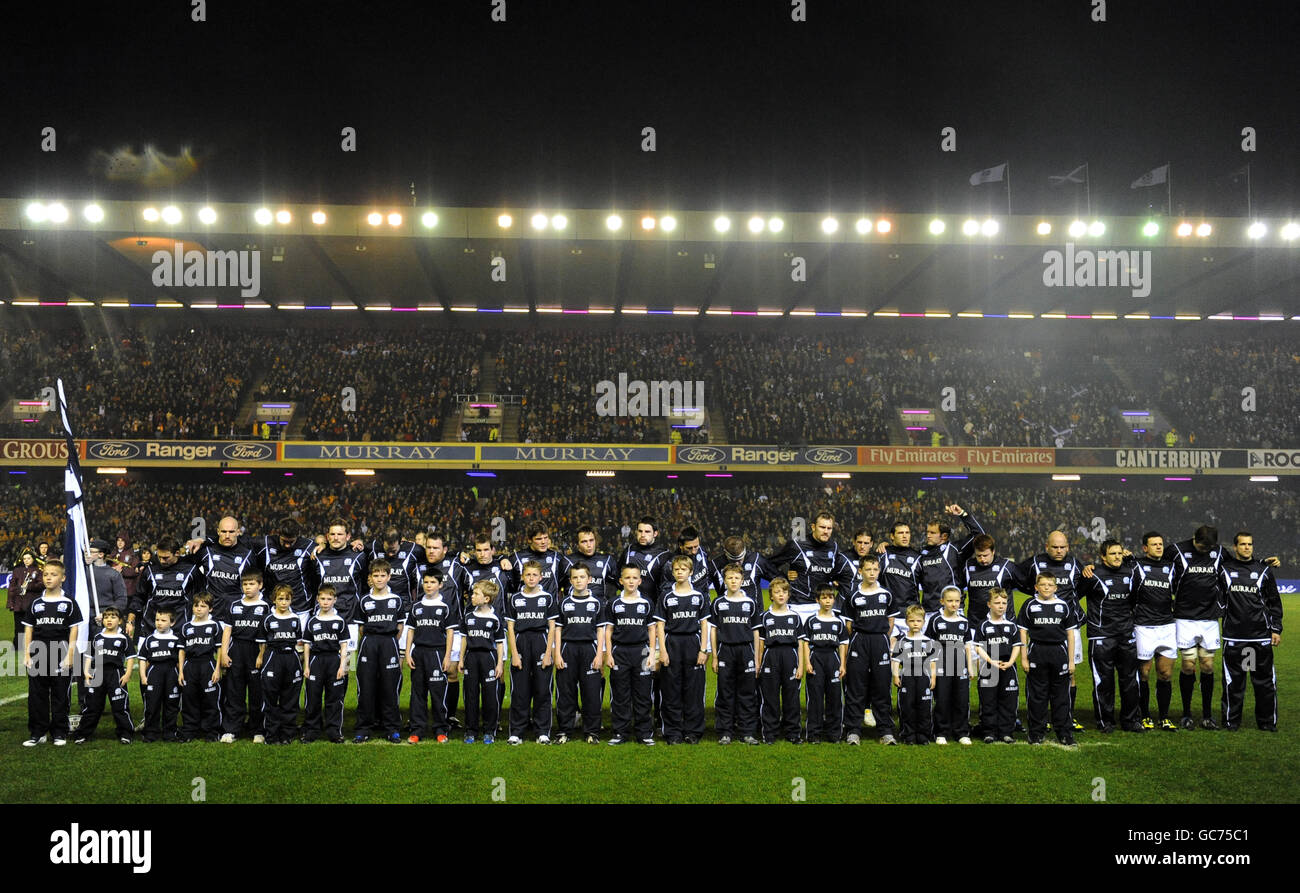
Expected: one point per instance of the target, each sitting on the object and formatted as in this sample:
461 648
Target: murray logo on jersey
1086 268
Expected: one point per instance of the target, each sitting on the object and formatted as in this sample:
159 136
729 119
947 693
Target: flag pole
1248 211
75 534
1008 188
1087 186
1169 188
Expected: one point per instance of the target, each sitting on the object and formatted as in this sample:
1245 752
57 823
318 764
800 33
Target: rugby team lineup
845 623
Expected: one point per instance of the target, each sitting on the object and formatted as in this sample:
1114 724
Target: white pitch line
21 697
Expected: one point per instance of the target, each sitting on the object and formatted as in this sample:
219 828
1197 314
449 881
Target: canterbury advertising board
179 451
1159 460
33 452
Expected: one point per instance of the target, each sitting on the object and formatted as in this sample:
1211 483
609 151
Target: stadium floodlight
207 215
1066 477
559 221
505 221
359 472
283 217
775 225
863 226
1150 228
989 227
1044 228
755 225
1263 478
1096 229
318 218
1184 230
262 216
613 223
1290 231
830 226
117 469
970 227
668 224
36 212
722 224
648 223
1204 230
56 213
539 221
883 226
1077 229
150 215
429 219
937 227
1257 230
394 219
93 213
171 215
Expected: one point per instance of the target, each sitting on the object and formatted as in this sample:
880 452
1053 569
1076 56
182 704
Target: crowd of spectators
402 387
182 384
1202 387
760 387
802 389
1019 516
557 374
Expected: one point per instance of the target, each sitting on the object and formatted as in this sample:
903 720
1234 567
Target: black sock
1207 694
453 698
1144 696
1164 694
1186 684
1074 696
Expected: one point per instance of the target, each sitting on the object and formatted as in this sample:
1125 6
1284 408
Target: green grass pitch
1158 767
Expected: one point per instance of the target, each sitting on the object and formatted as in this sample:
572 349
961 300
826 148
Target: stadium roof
870 263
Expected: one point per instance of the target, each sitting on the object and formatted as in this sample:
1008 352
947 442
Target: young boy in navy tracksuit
997 642
281 667
778 667
824 646
633 639
108 668
49 638
430 630
952 633
325 653
482 653
915 662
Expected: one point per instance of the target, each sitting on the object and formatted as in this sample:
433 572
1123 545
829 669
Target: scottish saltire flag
80 582
1072 177
1153 177
989 175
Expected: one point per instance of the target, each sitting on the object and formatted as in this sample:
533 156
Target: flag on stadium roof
79 583
1153 177
1072 177
989 174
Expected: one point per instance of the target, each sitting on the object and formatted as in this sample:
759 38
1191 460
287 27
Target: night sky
752 111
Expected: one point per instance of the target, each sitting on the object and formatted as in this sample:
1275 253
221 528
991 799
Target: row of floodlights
57 212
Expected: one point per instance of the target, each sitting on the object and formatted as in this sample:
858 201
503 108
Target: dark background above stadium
750 108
